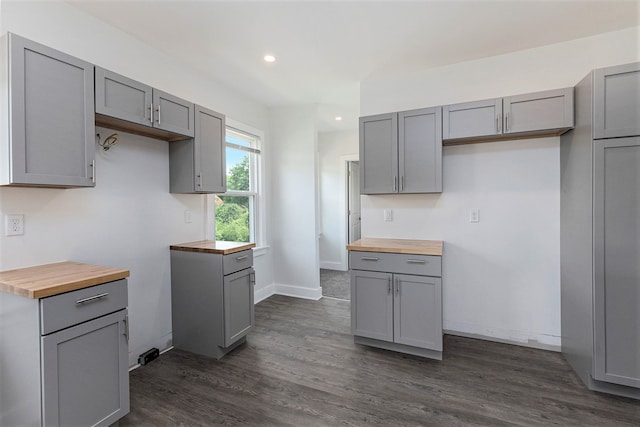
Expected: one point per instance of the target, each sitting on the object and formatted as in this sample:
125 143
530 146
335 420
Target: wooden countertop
53 279
398 246
213 247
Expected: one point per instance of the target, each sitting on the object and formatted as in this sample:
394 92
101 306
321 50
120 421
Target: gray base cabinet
131 106
198 165
47 135
396 311
212 301
521 116
401 152
65 358
599 245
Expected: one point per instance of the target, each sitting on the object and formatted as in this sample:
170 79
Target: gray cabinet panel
173 114
210 151
616 256
617 101
371 305
123 98
552 109
422 265
472 119
52 116
420 151
238 305
237 261
379 154
198 165
418 311
84 373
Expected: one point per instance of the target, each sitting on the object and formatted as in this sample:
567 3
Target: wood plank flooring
301 368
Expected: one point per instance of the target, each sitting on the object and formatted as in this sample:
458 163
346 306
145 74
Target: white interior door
354 201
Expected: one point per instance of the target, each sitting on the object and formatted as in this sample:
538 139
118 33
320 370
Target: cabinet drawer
421 265
237 261
71 308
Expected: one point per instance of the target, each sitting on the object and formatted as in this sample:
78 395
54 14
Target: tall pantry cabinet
600 232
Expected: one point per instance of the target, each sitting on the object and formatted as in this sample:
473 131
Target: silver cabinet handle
369 258
126 327
151 113
93 298
395 183
498 123
416 261
402 183
158 110
240 258
389 286
506 120
92 165
252 278
199 180
397 286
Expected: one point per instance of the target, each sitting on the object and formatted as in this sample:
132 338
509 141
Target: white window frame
256 209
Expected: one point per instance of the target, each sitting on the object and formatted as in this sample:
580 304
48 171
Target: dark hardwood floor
301 368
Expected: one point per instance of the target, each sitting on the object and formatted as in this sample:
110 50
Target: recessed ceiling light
269 58
338 118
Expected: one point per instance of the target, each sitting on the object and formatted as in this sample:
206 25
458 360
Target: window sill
260 251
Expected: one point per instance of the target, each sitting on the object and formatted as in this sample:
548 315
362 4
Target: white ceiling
325 49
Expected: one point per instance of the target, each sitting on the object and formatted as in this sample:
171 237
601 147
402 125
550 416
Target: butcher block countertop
53 279
213 247
398 246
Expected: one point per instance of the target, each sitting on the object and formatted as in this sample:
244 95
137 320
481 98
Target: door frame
344 160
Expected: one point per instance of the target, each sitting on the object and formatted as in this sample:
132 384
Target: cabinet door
420 150
616 255
238 305
210 155
552 109
85 375
371 305
122 98
52 116
173 114
616 99
379 154
418 311
472 119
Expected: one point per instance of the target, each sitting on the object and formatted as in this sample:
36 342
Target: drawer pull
369 258
93 298
240 258
416 261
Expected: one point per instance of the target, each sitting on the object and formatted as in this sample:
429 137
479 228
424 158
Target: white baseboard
263 293
332 265
506 336
298 291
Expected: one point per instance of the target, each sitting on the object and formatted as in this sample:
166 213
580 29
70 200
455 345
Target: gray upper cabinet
552 109
538 114
420 151
49 134
122 98
198 165
379 154
173 114
617 110
472 119
616 255
128 105
401 152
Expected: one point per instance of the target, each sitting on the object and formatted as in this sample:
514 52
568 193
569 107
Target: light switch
388 214
187 217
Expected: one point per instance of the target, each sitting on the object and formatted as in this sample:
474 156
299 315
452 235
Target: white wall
293 213
130 218
334 149
501 276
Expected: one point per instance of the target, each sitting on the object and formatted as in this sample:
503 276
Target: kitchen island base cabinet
212 301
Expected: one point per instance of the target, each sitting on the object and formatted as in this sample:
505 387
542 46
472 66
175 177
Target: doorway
353 197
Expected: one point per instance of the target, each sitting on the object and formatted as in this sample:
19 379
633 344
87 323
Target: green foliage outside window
232 212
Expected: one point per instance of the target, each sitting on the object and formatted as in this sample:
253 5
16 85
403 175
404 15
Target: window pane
232 218
237 170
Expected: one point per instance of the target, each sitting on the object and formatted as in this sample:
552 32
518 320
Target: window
236 211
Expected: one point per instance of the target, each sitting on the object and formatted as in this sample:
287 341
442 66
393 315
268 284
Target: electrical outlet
474 215
13 225
388 214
